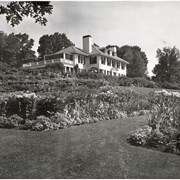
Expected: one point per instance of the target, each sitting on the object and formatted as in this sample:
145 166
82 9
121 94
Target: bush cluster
163 122
77 108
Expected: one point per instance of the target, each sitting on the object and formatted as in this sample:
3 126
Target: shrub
165 109
164 120
80 107
157 138
170 85
56 67
61 120
42 123
140 136
11 122
46 106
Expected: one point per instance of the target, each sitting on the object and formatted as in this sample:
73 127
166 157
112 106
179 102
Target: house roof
97 51
72 50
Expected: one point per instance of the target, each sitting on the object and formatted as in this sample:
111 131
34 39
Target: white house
90 58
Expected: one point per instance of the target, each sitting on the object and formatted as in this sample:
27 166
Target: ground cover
96 151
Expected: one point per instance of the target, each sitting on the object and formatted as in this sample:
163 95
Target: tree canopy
49 44
16 10
137 59
168 65
16 49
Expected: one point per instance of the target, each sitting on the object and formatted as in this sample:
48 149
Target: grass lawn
98 150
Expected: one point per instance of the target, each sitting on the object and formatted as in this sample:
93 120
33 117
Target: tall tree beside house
137 59
49 44
15 11
16 49
168 67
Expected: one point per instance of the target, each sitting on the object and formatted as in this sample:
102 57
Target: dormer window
113 53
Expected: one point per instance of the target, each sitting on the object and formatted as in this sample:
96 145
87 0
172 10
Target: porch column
64 56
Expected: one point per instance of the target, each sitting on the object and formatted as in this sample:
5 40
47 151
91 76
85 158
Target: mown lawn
98 150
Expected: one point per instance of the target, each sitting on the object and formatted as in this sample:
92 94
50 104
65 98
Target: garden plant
44 112
163 123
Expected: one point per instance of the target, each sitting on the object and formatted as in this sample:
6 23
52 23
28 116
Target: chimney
87 44
113 49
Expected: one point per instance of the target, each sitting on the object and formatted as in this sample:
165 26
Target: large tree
168 65
49 44
15 11
16 49
137 59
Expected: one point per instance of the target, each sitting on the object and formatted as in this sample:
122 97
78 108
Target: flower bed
164 122
55 112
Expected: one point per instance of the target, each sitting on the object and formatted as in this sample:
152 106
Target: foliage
11 122
49 44
170 85
140 136
56 67
16 49
79 107
164 121
165 110
168 66
15 11
137 59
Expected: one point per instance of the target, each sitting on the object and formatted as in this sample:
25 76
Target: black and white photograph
90 89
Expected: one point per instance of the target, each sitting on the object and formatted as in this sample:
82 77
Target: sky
147 24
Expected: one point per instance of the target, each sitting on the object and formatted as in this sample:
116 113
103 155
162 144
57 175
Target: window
69 57
82 59
67 69
79 59
123 66
118 64
114 74
93 60
102 60
85 59
53 56
109 62
101 71
113 63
